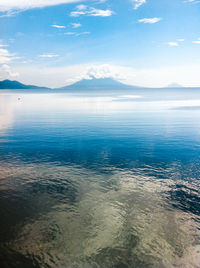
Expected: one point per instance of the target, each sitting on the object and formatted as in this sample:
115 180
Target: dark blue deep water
100 180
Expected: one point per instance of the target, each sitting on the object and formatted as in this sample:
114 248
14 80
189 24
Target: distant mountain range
8 84
84 84
92 84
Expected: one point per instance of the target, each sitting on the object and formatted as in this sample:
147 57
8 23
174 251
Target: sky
54 43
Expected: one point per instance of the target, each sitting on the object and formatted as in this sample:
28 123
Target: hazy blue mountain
174 85
101 83
8 84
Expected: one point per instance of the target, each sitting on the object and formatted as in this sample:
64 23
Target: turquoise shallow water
106 179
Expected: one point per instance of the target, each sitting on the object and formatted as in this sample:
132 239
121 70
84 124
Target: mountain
174 85
8 84
97 83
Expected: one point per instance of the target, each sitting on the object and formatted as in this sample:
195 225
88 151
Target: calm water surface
100 180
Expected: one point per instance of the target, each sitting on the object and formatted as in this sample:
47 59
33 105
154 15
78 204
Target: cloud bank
9 5
187 75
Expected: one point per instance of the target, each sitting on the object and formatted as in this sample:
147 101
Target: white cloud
2 45
192 1
76 25
9 13
196 42
173 44
9 5
4 52
176 43
90 11
138 3
77 13
48 55
5 59
99 12
83 33
6 72
76 34
102 71
81 7
70 33
5 56
58 26
149 20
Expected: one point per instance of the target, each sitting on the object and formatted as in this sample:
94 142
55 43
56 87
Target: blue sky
140 42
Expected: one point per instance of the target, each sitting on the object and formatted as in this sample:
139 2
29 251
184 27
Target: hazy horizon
111 80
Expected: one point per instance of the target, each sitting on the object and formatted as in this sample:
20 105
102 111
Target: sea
100 179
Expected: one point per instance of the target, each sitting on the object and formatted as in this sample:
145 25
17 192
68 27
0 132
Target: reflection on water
108 181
